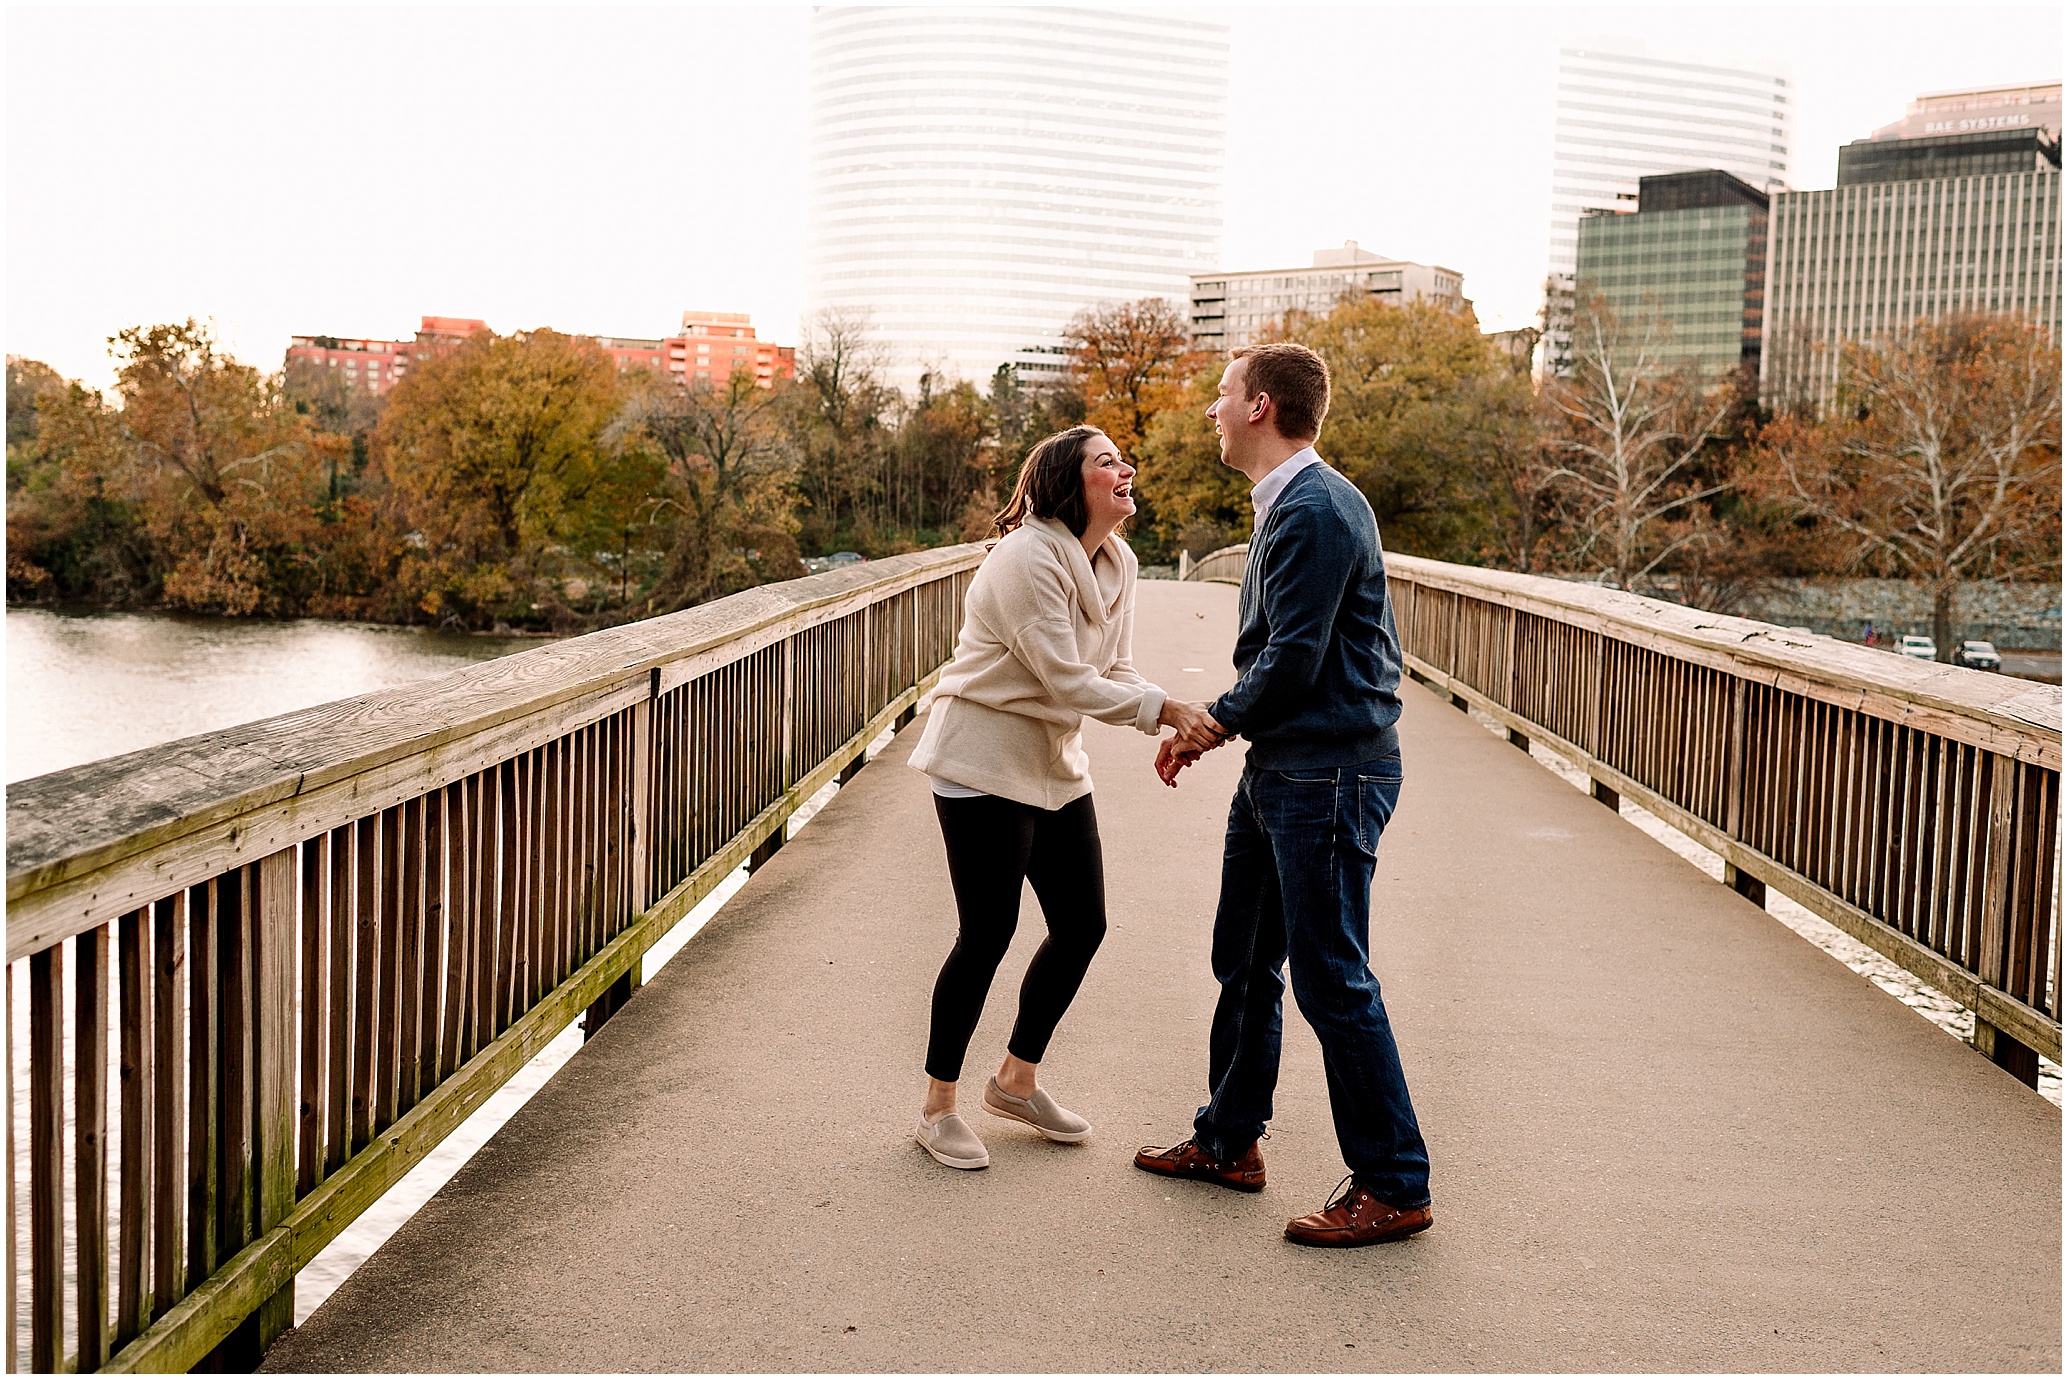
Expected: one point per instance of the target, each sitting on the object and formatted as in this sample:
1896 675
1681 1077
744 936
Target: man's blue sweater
1317 658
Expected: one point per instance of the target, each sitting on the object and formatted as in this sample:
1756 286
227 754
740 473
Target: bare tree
1942 460
731 474
1631 436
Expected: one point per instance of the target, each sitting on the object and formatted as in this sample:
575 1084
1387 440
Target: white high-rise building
1625 112
978 176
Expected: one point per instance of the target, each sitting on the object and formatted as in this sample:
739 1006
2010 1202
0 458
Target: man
1317 696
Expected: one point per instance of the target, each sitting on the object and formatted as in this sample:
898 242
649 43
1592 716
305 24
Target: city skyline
559 189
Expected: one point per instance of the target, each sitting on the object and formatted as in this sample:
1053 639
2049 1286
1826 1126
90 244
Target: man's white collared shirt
1273 484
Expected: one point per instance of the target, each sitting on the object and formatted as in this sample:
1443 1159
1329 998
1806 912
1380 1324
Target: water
81 687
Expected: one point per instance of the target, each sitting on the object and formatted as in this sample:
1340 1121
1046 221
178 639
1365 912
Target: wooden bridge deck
1667 1134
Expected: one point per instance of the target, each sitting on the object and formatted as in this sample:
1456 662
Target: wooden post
2014 1057
46 1159
2007 1053
639 848
90 1145
1745 884
274 1037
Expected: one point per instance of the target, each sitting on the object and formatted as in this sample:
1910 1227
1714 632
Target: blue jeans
1296 884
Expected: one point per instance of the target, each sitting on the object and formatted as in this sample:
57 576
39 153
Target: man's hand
1197 734
1197 731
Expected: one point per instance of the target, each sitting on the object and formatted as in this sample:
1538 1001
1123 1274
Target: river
81 687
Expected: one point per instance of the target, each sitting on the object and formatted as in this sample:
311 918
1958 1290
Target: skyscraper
1954 210
1624 113
1690 260
978 176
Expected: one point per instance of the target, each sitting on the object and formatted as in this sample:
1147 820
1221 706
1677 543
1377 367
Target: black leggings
992 844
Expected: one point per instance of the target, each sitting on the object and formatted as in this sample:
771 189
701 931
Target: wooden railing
1224 566
302 951
1915 806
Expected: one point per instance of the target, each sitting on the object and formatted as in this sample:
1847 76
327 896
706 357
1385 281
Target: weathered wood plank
273 1053
90 1145
169 1112
138 1080
204 1045
46 1160
315 1011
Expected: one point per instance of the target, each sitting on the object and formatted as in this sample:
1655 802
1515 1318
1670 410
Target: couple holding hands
1047 639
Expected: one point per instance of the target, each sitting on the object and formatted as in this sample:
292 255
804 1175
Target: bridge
267 971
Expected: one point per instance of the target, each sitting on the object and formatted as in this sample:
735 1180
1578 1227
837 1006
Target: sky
283 170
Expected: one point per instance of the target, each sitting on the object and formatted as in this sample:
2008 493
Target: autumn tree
1941 461
1632 433
1198 504
1424 416
727 501
203 454
501 480
1128 360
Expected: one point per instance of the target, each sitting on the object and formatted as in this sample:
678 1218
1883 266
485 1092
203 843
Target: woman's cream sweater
1047 638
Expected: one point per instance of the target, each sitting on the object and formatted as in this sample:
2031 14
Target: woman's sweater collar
1066 545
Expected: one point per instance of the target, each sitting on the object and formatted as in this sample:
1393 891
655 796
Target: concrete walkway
1667 1134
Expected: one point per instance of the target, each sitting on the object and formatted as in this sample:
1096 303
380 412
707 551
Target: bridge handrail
324 939
1914 805
1224 566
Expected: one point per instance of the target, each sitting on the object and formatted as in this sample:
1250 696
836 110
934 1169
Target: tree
1632 435
28 381
728 496
836 420
1128 360
1424 415
205 461
496 462
1942 460
1198 504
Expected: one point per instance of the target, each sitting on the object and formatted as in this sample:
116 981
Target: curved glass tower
977 176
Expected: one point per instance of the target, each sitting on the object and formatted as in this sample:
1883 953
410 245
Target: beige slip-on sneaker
950 1141
1040 1111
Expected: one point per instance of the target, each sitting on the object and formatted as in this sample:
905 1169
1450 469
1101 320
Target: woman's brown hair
1051 483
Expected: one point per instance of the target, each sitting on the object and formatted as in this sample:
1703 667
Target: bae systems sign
1982 122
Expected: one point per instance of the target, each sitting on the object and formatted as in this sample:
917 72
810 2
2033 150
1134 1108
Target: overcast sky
347 170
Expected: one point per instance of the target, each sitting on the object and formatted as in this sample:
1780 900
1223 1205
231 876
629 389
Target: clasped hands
1197 734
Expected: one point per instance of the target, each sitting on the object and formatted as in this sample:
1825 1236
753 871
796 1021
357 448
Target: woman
1047 638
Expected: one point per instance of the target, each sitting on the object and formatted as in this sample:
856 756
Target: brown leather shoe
1356 1218
1186 1160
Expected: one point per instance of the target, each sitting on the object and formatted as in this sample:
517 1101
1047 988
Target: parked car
845 558
1981 656
1923 648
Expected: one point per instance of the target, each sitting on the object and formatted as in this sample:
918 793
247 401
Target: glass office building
1691 260
978 176
1917 229
1625 113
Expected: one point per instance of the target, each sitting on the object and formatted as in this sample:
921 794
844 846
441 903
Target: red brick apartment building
711 346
